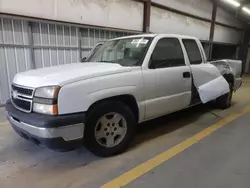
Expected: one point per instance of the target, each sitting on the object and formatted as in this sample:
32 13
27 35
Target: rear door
207 79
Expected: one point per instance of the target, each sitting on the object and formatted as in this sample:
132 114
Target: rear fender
230 67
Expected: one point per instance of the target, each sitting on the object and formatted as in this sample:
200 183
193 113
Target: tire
101 135
224 101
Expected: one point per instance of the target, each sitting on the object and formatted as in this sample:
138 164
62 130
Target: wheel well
128 100
229 78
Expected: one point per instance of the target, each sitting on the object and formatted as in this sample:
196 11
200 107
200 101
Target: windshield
126 52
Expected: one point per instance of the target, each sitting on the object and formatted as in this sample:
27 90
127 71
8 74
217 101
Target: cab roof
156 35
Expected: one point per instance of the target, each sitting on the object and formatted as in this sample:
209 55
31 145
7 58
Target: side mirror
84 59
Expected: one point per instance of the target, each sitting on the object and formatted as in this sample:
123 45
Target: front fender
79 96
81 103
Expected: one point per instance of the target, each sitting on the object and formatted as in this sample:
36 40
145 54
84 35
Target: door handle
186 75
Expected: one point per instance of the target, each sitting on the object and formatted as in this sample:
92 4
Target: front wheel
110 127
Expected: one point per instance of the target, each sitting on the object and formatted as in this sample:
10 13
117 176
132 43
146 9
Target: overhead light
232 2
246 10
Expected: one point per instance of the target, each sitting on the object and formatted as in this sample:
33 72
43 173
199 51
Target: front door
167 80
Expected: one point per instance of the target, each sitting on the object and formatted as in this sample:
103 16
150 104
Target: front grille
22 91
22 104
22 97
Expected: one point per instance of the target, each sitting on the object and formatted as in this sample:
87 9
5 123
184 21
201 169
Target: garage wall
54 44
202 8
228 18
124 14
224 34
14 53
227 35
163 21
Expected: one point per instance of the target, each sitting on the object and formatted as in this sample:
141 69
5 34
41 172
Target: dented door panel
209 82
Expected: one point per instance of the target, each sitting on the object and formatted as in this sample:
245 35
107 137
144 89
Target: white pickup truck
126 81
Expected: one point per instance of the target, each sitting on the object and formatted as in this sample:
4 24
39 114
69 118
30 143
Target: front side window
167 53
193 51
126 52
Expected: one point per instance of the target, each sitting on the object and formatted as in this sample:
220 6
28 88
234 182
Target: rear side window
167 53
193 51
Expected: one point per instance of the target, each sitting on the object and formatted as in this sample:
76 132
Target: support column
31 45
146 16
211 35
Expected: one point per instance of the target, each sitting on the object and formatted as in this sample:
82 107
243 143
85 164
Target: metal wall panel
48 44
55 44
14 53
90 37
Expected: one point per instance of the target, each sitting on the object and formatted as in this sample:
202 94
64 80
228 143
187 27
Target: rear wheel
224 101
110 128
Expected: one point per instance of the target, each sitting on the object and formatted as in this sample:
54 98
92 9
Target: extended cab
126 81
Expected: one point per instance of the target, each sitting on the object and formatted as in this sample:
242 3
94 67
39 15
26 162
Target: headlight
45 109
45 100
49 92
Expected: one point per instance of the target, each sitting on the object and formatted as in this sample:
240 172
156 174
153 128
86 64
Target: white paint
227 35
163 21
108 13
213 89
203 73
166 90
65 74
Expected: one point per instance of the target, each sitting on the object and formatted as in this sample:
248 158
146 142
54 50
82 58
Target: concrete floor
219 160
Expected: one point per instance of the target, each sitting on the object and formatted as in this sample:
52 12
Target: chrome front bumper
61 133
68 133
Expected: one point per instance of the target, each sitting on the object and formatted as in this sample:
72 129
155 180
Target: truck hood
65 74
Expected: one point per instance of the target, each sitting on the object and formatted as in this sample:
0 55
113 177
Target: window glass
193 51
126 51
167 53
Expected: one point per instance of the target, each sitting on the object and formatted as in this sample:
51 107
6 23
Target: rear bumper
56 132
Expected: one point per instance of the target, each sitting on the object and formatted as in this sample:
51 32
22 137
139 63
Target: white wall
228 18
128 14
163 21
168 22
202 8
227 35
124 14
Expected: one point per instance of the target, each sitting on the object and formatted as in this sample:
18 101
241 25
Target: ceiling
239 13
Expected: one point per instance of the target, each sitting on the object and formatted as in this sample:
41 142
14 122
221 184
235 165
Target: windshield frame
141 59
